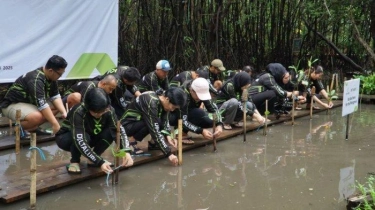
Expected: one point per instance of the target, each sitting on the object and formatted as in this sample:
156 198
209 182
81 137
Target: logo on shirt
98 127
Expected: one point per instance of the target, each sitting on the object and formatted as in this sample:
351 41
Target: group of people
148 105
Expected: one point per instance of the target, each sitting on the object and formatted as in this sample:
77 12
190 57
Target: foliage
367 83
366 190
332 95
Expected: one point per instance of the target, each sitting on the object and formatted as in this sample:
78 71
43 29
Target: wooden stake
213 130
337 82
17 130
67 108
332 82
179 142
115 174
265 125
293 107
33 172
312 101
244 98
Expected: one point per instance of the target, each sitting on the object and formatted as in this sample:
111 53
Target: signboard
85 33
350 96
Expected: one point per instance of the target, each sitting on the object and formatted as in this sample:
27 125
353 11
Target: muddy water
306 166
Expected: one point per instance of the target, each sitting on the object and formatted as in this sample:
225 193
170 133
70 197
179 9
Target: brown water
306 166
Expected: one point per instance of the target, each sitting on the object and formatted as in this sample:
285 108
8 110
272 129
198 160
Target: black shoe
153 146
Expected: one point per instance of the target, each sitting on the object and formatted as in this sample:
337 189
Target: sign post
350 100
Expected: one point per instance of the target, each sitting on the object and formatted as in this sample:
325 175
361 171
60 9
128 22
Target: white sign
350 96
85 33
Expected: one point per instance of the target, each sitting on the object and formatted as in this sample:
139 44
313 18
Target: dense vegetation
191 33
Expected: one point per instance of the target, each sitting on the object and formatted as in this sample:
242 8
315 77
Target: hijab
277 70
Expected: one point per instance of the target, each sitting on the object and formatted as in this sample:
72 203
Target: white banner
350 96
84 32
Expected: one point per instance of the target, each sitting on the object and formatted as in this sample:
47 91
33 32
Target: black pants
259 100
99 142
137 129
196 116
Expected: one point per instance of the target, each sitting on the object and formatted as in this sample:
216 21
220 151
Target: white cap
201 87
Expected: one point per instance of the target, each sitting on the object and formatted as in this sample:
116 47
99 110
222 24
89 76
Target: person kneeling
89 129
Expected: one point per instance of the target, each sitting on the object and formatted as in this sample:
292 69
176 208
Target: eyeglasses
60 74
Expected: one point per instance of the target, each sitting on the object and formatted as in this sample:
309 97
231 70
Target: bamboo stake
179 142
312 101
265 125
115 174
332 82
17 131
244 98
213 130
33 172
337 82
293 107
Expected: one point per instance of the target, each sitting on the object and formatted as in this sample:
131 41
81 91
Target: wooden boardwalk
54 175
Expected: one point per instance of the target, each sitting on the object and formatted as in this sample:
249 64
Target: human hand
207 134
127 161
330 104
173 159
172 142
327 106
64 114
218 131
106 167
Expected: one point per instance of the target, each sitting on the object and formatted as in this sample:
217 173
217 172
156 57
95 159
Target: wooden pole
213 130
33 172
293 108
179 142
333 81
265 125
115 174
244 98
17 130
312 101
337 82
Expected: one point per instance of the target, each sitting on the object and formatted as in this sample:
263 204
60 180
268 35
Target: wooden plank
53 175
8 141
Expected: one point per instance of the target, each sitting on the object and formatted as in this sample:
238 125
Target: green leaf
120 153
267 112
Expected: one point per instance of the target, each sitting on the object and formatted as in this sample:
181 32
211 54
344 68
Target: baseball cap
163 65
201 87
218 64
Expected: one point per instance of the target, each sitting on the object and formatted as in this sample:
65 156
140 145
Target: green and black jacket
81 87
149 108
33 88
151 82
82 124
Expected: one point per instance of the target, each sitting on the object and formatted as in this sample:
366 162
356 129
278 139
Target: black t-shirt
82 124
151 82
180 78
32 87
148 107
81 87
118 95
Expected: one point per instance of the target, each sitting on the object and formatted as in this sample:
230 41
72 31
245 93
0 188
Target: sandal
73 168
135 148
187 141
237 125
227 127
153 146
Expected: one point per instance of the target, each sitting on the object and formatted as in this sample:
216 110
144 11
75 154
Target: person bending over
148 114
89 130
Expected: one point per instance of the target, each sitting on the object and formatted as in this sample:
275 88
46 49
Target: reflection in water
346 184
293 167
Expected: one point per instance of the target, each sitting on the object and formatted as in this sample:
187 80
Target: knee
35 118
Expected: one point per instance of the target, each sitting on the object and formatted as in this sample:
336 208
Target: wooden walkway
54 175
